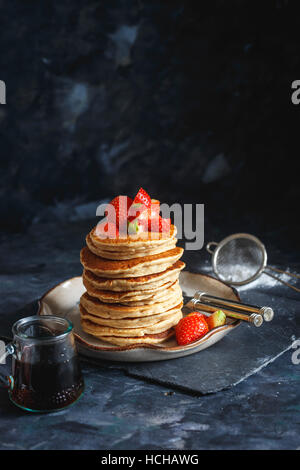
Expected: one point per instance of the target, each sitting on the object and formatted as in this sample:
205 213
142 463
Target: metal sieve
241 258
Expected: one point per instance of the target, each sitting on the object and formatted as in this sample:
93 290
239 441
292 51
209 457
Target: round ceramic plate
63 300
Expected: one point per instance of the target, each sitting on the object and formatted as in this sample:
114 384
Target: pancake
130 268
147 296
159 327
125 341
126 322
172 292
149 282
121 254
110 310
135 242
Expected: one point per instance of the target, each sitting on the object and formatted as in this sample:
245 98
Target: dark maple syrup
44 386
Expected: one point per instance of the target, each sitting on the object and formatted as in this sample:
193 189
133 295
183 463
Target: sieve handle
284 272
280 280
208 247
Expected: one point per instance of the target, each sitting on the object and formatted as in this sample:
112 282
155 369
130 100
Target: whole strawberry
190 329
200 315
117 212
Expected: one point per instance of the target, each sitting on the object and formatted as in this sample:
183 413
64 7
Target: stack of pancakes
133 294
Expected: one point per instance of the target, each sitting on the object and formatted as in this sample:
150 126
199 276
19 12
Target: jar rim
42 319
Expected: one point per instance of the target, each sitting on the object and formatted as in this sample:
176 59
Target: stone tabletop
120 411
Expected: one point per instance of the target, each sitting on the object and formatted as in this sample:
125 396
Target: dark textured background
191 100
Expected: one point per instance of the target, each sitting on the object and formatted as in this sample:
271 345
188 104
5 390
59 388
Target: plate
63 300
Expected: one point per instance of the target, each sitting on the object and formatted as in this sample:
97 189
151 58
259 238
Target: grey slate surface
120 412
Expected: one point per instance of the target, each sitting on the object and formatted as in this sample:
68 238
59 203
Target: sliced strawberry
155 208
107 230
137 226
136 210
143 213
142 197
141 203
164 225
117 211
158 224
218 318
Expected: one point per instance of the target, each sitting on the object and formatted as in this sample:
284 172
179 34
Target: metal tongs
251 313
